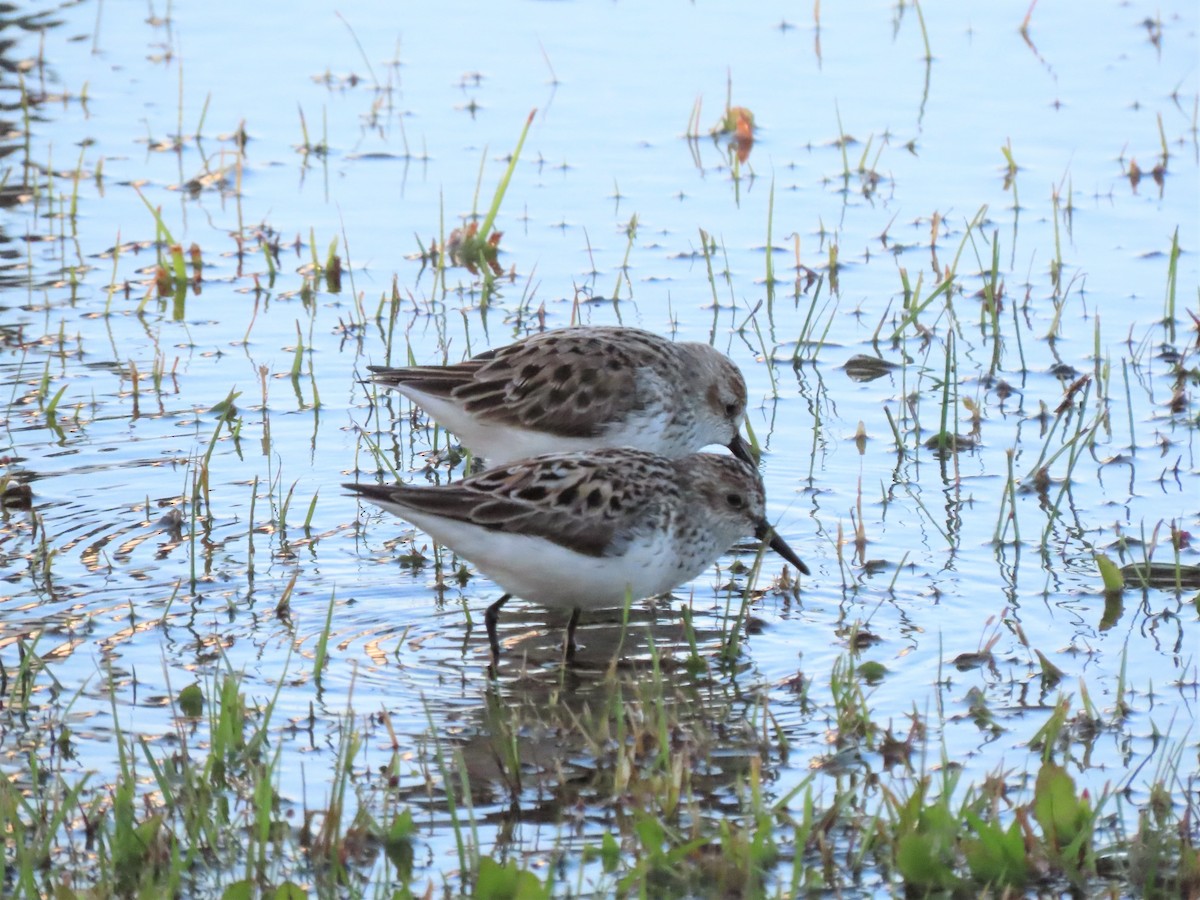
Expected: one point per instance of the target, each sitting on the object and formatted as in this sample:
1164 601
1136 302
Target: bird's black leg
571 623
489 619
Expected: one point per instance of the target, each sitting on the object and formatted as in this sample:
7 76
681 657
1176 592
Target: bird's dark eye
731 410
735 501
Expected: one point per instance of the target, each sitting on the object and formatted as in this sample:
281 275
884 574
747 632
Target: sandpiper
585 529
581 388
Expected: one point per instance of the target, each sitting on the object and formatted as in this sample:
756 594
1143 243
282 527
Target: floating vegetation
476 246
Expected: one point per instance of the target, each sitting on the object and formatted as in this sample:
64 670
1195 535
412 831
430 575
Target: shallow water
861 144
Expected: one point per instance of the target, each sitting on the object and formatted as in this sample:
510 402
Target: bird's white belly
540 570
501 444
497 443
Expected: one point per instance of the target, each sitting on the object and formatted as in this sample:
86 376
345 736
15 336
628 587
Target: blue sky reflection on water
409 100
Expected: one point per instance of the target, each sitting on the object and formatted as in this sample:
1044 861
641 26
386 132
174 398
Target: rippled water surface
874 213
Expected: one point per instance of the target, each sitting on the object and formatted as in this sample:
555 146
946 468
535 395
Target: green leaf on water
921 859
650 832
1061 814
925 854
872 672
507 882
1114 579
191 700
239 890
610 852
1110 574
996 856
402 827
398 844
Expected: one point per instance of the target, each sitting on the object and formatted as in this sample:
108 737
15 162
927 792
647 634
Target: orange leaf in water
743 123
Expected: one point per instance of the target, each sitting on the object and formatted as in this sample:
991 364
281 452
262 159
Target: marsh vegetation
953 252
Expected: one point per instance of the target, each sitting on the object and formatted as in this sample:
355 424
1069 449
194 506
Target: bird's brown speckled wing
575 500
569 382
440 381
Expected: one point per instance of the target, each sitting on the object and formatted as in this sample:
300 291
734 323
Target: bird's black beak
765 532
742 450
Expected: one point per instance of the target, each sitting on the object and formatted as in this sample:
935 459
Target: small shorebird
586 529
582 388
